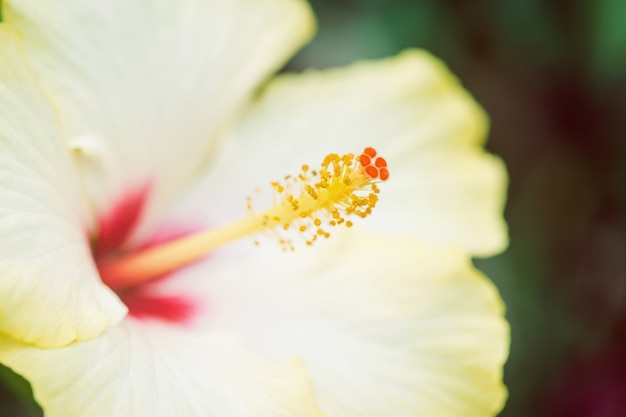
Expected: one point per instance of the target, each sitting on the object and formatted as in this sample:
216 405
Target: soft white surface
385 326
51 294
138 370
143 87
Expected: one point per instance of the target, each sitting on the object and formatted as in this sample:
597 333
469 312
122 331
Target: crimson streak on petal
110 241
116 225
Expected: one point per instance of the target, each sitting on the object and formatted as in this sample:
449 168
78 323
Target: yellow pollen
344 186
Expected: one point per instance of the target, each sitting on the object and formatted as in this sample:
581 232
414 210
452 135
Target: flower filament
307 204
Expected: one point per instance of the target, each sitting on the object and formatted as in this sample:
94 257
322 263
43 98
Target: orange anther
384 174
365 160
369 151
380 162
371 171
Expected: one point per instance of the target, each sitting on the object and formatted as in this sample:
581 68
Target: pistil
309 204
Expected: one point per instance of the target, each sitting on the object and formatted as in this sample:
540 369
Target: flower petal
50 293
137 369
386 327
443 188
143 87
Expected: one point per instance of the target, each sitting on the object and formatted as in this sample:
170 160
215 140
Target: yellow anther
344 186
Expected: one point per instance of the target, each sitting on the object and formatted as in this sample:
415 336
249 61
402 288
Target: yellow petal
448 196
50 293
143 87
137 370
386 327
444 187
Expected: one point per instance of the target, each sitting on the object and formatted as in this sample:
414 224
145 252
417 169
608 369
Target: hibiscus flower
130 128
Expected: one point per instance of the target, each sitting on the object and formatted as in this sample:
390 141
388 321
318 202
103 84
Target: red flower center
114 229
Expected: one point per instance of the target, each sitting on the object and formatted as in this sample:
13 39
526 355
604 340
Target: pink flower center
111 241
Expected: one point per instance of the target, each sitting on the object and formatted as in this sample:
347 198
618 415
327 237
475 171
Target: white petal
137 370
386 327
447 196
144 86
443 188
50 293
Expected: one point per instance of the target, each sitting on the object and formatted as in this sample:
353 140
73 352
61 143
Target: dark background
552 76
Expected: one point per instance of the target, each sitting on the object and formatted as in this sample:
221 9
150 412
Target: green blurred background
552 76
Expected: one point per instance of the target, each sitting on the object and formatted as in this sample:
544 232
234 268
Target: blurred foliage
607 30
16 397
552 76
